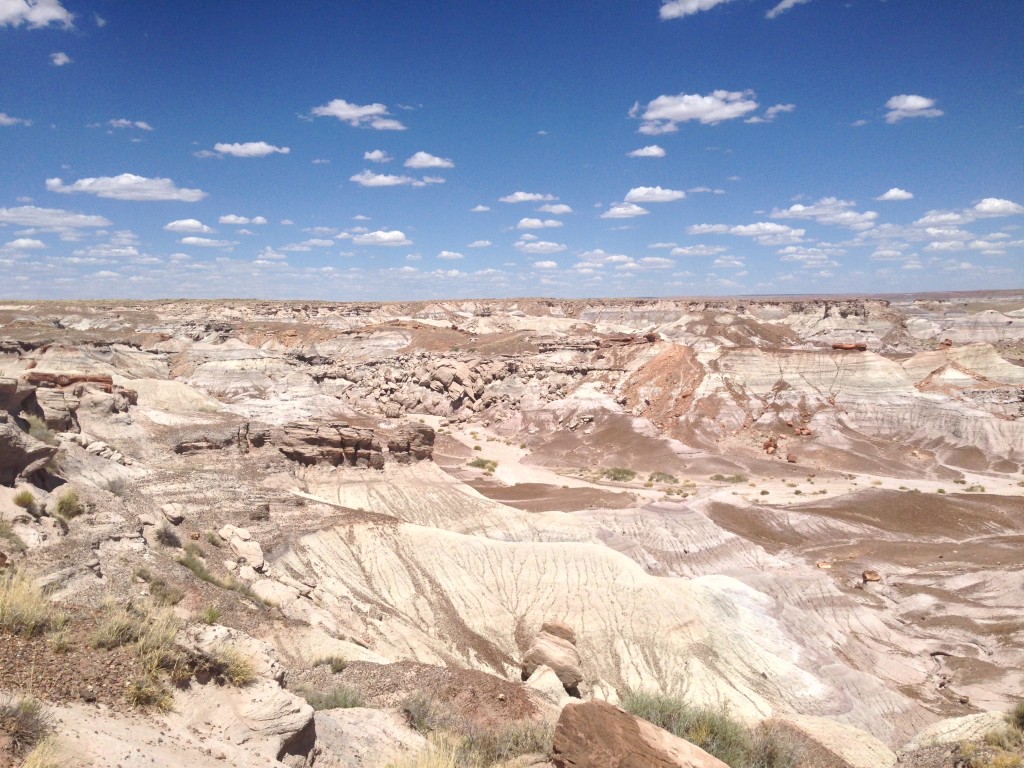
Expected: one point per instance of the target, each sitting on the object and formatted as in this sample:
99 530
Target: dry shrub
68 506
338 697
23 608
25 722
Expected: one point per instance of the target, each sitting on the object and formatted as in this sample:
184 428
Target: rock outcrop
596 734
334 443
555 648
20 453
412 442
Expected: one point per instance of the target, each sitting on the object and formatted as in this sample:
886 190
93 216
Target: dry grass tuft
23 608
25 722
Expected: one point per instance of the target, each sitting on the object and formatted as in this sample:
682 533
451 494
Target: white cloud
784 6
206 242
187 225
371 179
37 14
677 9
25 244
538 224
382 237
49 218
479 209
771 113
764 232
664 113
624 211
653 195
360 116
125 123
556 209
59 59
910 105
656 262
377 156
127 186
6 119
896 194
250 149
994 206
698 250
526 197
427 160
545 265
651 150
539 247
450 255
829 210
231 218
480 244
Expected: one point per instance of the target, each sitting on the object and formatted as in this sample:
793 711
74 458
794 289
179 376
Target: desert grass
25 722
24 610
338 697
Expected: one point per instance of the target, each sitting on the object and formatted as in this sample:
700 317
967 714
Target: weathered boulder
13 393
364 738
58 409
596 734
412 442
20 453
334 443
243 545
555 647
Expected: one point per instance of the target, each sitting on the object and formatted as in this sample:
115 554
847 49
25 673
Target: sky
404 150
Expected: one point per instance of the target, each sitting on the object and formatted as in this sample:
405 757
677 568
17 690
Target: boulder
596 734
13 393
555 647
412 442
58 409
175 513
242 544
20 453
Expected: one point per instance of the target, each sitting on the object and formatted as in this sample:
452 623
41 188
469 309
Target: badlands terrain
804 511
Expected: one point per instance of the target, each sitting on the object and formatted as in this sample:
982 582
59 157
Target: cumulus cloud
427 160
187 225
784 6
624 211
59 59
206 242
450 255
545 265
6 119
556 209
896 194
25 244
653 195
479 209
994 206
391 237
538 223
371 179
651 150
829 210
526 197
250 149
359 116
538 247
763 232
663 114
37 14
50 218
677 9
127 186
480 244
910 105
377 156
698 250
231 218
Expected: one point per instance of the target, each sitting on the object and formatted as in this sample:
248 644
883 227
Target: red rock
596 734
791 458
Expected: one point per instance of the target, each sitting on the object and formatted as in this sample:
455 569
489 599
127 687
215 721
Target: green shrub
26 500
1016 716
68 506
167 536
717 732
210 614
491 746
161 592
214 540
619 474
227 664
662 477
737 478
339 697
25 723
485 464
422 713
120 626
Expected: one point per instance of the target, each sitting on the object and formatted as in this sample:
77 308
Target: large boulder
412 442
555 647
13 393
20 453
596 734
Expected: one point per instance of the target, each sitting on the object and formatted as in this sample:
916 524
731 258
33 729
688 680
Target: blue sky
409 150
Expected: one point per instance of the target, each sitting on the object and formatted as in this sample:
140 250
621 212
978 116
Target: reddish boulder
596 734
